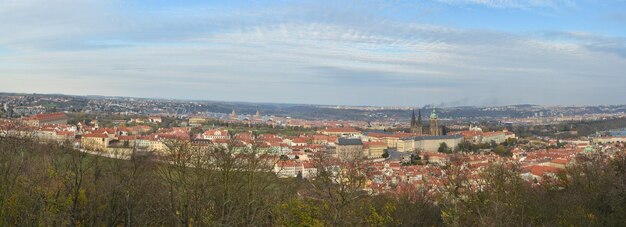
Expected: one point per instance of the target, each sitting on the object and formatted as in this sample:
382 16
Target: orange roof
492 133
308 165
215 132
66 133
220 140
541 170
127 137
47 117
346 129
107 130
394 135
300 140
469 133
560 161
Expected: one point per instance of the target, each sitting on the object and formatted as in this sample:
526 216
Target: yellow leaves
383 218
375 219
82 197
51 172
297 212
591 217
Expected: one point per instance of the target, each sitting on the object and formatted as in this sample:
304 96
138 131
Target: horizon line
306 104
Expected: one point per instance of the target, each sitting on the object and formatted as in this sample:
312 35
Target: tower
413 121
416 124
419 120
434 124
233 115
257 115
96 126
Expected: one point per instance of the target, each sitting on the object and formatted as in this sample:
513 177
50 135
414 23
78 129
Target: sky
380 53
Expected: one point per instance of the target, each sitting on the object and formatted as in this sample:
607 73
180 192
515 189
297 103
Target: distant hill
304 111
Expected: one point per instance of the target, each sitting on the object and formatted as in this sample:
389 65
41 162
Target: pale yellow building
429 143
94 142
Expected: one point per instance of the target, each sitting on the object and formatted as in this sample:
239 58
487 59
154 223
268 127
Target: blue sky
388 53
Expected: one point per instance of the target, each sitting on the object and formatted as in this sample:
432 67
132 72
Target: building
40 119
257 116
95 141
233 115
292 168
126 141
392 139
611 139
349 148
299 142
197 121
324 139
497 137
346 131
472 136
476 135
429 143
215 134
538 172
434 124
151 143
155 119
374 149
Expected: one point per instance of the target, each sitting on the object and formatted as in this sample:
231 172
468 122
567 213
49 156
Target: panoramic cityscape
313 113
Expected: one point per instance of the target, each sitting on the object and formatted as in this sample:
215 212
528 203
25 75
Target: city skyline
372 53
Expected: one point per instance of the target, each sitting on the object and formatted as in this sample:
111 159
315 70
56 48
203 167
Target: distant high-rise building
233 115
434 124
257 115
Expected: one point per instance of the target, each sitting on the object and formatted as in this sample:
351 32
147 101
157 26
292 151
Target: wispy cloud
308 52
518 4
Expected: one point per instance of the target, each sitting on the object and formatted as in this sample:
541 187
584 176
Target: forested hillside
53 185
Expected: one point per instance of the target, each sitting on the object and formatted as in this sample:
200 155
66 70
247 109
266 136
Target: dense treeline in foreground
53 185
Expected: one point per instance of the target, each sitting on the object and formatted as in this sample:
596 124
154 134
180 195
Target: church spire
413 122
233 115
416 124
419 118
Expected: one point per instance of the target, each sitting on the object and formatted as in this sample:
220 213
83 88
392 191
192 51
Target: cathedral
417 127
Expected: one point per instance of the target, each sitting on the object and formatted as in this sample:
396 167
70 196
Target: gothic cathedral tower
434 124
416 124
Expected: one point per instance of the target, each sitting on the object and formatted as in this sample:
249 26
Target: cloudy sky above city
410 53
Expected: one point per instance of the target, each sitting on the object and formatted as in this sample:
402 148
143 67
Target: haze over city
409 53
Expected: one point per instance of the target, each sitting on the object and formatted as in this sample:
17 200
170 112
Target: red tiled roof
346 129
107 130
47 117
560 161
300 140
394 135
220 140
127 137
214 132
541 170
492 133
65 133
